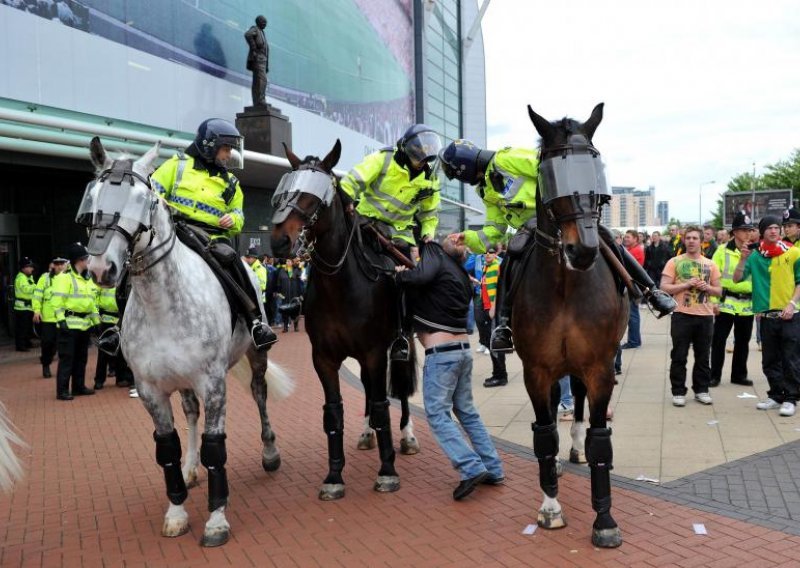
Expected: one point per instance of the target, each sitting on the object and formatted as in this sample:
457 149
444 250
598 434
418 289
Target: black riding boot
260 332
660 301
501 341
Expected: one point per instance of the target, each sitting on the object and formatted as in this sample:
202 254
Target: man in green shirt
775 269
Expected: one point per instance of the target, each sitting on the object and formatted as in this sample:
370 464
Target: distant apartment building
631 207
662 212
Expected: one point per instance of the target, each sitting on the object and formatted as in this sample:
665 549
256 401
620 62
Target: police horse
349 309
177 334
568 314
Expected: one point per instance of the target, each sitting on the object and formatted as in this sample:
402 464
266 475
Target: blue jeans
634 335
447 386
566 391
470 318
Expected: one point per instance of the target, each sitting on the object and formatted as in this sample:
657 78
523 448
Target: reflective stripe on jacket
385 191
107 305
23 292
43 298
508 191
261 274
726 258
74 300
198 195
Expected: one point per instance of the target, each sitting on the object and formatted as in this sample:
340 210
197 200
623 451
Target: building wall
630 207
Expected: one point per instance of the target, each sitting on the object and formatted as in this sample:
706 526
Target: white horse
10 466
176 333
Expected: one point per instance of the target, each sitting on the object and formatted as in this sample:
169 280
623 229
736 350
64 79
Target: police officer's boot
46 372
108 342
501 341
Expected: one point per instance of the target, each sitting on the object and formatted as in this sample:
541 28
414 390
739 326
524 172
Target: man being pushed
441 292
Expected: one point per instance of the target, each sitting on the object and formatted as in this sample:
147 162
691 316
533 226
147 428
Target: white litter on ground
712 422
746 395
530 529
647 479
699 528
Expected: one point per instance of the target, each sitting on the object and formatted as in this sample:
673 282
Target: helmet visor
423 147
230 152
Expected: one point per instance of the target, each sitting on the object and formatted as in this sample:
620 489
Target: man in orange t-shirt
691 279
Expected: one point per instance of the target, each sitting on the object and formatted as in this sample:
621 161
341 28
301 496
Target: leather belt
77 314
445 347
738 296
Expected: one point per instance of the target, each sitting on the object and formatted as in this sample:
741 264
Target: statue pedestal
264 129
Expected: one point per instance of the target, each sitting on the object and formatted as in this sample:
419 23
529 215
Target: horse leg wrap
213 457
545 446
333 422
379 421
599 454
168 456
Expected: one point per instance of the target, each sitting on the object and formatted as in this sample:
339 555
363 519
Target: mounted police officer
506 180
205 195
397 188
45 315
24 285
76 312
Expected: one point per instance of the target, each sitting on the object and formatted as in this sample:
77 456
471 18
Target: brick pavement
95 497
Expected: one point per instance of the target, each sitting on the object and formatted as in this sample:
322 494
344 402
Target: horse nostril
111 273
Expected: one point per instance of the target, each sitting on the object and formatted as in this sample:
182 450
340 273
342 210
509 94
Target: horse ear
293 160
146 161
541 124
98 154
594 121
333 156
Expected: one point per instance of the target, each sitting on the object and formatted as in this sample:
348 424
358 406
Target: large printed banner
756 204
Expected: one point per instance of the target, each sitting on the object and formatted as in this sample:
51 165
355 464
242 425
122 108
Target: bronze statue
258 60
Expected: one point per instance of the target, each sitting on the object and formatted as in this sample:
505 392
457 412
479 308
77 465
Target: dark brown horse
568 315
349 308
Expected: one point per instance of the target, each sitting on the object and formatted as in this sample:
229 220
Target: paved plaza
94 495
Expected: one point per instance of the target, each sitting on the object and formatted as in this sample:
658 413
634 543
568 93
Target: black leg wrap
333 422
213 457
545 446
168 456
600 455
379 421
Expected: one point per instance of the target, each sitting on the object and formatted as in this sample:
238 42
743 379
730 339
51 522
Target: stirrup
108 341
659 302
501 340
400 349
262 335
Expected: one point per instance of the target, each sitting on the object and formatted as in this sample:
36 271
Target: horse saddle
373 239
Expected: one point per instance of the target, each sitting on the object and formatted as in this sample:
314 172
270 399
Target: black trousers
23 328
485 326
780 358
695 331
73 351
742 332
104 360
49 339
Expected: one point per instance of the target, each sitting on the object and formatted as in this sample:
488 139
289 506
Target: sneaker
767 404
133 393
787 409
703 398
480 349
678 400
565 408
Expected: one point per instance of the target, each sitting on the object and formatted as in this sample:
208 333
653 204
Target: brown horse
568 315
349 311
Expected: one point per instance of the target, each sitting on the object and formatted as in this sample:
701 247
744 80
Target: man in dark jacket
656 256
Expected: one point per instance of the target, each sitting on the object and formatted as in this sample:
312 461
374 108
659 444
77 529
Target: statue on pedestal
258 60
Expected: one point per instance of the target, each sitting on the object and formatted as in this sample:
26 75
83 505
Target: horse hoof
387 483
577 456
175 527
409 447
331 491
559 467
367 441
606 538
271 464
215 537
551 520
190 478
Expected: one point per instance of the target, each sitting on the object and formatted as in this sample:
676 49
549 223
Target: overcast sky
693 90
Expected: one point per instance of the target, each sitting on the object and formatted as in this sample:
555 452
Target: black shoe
83 392
714 383
495 382
111 372
743 382
629 346
617 372
123 384
262 335
400 350
501 341
467 486
98 386
46 372
108 342
23 349
492 480
64 396
661 302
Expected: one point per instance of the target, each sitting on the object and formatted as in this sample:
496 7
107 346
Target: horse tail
403 375
279 383
10 466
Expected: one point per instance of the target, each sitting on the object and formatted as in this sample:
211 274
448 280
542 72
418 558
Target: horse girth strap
619 268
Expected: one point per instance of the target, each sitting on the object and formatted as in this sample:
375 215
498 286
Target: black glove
62 326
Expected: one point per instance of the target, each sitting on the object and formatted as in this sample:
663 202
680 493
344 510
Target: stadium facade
134 71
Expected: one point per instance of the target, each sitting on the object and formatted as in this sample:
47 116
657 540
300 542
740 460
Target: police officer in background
76 313
791 227
44 314
106 363
24 285
251 258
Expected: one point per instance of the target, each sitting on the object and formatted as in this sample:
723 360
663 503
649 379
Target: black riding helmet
215 133
464 161
420 144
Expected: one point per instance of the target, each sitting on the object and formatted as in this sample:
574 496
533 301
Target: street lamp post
700 192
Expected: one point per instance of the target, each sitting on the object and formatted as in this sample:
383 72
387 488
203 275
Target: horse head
117 210
572 185
301 200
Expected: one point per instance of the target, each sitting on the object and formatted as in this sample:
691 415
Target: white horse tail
10 466
279 384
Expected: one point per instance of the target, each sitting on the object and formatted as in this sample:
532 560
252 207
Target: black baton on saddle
616 265
387 244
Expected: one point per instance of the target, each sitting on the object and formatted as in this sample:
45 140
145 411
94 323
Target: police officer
251 258
106 299
24 285
203 192
791 227
76 313
506 181
735 307
44 314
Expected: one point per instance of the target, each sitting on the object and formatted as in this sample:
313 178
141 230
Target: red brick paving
94 496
